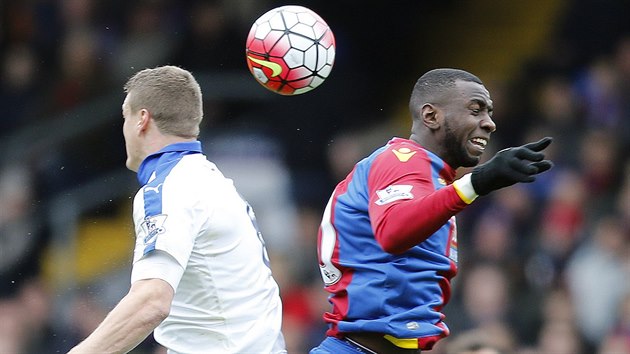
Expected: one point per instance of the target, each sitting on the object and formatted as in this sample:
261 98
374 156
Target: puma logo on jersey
155 189
404 154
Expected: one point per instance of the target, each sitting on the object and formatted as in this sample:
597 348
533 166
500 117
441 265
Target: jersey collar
149 164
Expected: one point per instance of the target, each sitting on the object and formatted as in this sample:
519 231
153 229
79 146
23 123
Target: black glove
510 166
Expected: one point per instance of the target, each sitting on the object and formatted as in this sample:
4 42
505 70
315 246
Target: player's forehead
471 91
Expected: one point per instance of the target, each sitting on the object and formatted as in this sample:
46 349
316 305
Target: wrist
479 180
465 189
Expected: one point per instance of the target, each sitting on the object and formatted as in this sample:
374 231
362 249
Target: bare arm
145 306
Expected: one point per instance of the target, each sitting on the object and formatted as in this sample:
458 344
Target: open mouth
479 143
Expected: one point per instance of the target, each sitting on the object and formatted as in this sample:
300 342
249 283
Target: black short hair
434 83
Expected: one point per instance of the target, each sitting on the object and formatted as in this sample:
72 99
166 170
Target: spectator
617 341
147 40
560 337
80 75
493 340
596 277
19 87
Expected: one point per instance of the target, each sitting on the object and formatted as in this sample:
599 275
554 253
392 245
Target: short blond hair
172 96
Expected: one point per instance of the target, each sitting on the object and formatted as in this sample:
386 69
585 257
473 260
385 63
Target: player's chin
470 161
131 165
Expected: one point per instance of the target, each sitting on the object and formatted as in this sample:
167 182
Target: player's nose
488 124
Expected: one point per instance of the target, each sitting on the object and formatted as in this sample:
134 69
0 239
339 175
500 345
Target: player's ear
429 114
143 122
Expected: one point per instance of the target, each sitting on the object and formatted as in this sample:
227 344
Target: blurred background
544 267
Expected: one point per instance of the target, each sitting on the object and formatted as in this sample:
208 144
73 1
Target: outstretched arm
145 306
417 214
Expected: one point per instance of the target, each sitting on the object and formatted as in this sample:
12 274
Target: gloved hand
510 166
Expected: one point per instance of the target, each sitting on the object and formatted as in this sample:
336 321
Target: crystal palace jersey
387 246
226 300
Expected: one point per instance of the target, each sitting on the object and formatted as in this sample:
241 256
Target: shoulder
193 174
400 156
195 167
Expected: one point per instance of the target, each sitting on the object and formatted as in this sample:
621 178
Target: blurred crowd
544 267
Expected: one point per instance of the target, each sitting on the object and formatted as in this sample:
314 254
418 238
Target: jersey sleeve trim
158 265
464 189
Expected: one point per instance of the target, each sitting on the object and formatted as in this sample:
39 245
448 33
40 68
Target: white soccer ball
290 50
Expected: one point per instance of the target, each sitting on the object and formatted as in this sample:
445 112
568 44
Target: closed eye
477 106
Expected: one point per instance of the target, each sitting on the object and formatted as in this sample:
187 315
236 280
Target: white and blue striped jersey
226 300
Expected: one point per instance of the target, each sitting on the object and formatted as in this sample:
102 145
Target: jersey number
252 217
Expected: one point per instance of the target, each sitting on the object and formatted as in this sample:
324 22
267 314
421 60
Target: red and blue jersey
387 246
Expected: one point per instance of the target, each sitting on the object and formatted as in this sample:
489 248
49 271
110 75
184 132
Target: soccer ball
290 50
